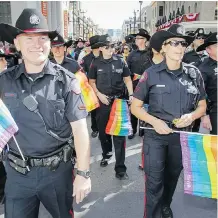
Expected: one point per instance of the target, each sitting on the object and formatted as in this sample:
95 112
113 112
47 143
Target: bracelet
130 95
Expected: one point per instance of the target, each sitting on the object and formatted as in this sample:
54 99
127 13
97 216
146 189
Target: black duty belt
52 162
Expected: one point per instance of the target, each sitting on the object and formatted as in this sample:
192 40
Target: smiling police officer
44 102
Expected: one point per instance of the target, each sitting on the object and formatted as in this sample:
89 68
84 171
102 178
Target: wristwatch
86 174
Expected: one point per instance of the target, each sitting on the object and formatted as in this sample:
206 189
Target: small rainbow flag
8 127
200 164
136 77
90 98
119 123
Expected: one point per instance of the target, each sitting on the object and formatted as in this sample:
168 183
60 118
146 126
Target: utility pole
134 22
130 25
140 14
83 12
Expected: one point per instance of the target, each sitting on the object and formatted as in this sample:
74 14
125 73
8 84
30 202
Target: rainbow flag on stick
8 127
90 98
200 164
119 123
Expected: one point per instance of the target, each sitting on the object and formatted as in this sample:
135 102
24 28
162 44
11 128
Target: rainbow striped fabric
136 77
8 127
119 123
200 164
90 98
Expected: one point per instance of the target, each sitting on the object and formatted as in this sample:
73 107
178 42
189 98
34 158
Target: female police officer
173 90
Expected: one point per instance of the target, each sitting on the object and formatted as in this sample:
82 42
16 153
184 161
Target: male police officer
44 102
136 62
107 75
59 47
209 72
80 45
85 63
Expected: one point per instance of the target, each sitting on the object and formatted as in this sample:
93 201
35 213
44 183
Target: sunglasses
139 38
108 46
200 37
125 48
177 43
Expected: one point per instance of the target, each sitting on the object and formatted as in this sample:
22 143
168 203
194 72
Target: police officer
45 103
58 49
3 62
108 74
80 45
173 90
136 63
85 63
209 72
193 57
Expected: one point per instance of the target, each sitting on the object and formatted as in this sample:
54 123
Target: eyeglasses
177 43
108 46
200 37
125 48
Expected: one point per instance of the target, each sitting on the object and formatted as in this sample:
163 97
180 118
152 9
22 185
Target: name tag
160 86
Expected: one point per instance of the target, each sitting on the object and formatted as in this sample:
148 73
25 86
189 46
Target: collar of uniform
142 51
113 58
163 66
48 69
212 61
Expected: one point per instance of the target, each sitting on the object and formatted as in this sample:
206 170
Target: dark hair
12 49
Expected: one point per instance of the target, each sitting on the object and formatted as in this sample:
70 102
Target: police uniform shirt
136 61
192 57
209 72
86 62
170 94
68 64
77 52
59 102
109 74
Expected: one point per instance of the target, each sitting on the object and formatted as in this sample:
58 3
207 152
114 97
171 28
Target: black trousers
213 120
94 126
25 192
162 166
102 115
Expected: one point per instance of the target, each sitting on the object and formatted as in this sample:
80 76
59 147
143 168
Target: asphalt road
111 198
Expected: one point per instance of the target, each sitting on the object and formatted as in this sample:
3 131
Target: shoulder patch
144 77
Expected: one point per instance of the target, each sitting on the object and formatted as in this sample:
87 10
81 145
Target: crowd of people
172 73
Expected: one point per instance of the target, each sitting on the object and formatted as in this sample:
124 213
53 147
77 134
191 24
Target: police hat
80 40
104 40
200 33
2 54
210 40
30 21
144 33
155 43
190 33
59 41
93 41
130 38
175 31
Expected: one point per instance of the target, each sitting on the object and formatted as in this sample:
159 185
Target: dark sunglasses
108 46
177 43
200 37
125 48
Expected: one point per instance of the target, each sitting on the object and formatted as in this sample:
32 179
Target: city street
111 198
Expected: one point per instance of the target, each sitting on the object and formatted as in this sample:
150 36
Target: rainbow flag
90 98
136 77
8 127
200 164
119 123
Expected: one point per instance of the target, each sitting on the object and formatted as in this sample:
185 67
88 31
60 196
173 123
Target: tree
174 15
183 10
178 13
170 17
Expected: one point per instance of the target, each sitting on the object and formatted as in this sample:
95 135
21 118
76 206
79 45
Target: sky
110 14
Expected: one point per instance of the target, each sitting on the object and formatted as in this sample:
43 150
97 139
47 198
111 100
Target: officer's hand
81 188
206 122
161 127
103 98
184 121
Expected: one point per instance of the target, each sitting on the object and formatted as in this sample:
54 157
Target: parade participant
209 72
193 57
126 51
44 102
58 49
85 63
108 75
80 45
173 90
86 50
130 40
136 63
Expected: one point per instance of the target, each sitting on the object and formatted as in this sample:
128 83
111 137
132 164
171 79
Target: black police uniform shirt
136 61
77 52
209 71
86 62
170 94
59 99
69 64
109 75
192 57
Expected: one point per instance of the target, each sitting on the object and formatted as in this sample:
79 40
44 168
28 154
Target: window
189 9
160 10
196 7
216 12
